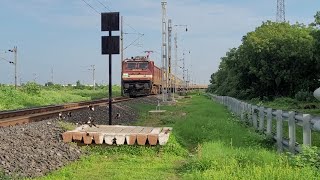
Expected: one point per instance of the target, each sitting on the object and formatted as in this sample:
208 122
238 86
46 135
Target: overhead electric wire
133 42
90 6
1 58
105 6
109 9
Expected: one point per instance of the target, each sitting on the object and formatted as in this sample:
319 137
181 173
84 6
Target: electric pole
187 81
175 62
176 54
169 82
52 75
183 75
15 51
164 48
34 77
93 76
281 11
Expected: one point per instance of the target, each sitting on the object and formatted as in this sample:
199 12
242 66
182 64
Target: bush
304 96
32 88
308 157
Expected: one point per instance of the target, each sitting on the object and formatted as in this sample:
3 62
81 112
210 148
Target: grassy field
207 143
34 95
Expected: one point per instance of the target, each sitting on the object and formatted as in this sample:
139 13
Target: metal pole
122 55
15 49
188 80
110 85
94 80
175 62
169 60
163 48
184 82
52 75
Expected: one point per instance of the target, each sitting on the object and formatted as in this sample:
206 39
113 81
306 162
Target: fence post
242 110
250 114
306 130
232 105
269 121
237 107
261 119
279 130
254 118
292 132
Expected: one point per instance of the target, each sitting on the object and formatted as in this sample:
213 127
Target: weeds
66 125
308 157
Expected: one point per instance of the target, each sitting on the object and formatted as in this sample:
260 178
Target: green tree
277 59
316 19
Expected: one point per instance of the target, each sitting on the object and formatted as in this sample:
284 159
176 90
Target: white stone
316 94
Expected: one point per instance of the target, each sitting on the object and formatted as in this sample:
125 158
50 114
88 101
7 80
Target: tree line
277 59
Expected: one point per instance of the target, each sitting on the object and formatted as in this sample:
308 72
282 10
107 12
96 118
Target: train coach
140 76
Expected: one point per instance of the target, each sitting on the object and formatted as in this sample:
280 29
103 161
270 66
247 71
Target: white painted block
164 136
108 138
120 138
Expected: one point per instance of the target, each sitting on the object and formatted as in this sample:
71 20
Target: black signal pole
110 45
110 84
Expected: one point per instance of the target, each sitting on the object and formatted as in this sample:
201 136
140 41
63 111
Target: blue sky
65 34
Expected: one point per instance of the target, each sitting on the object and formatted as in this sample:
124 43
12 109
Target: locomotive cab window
143 65
131 65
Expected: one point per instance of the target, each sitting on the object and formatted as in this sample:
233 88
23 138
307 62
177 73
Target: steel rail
23 116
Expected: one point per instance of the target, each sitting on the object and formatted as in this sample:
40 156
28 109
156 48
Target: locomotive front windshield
132 65
137 65
143 65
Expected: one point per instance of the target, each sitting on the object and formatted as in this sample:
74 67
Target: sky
64 36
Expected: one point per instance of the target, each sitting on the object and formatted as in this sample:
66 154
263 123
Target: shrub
32 88
304 96
308 157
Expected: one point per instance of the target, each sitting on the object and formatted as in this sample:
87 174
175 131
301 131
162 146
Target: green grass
125 162
17 99
66 125
207 143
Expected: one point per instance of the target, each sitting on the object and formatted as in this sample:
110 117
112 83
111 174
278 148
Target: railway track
23 116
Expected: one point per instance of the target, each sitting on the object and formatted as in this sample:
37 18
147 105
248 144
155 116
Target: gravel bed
100 115
35 149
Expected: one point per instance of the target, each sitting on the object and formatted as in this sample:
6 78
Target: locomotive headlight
125 75
126 85
146 85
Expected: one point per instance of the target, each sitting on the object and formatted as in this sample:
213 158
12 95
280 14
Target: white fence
257 115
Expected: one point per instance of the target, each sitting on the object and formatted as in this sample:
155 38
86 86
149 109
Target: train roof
138 58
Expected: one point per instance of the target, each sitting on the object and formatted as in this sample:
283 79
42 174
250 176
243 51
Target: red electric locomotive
140 76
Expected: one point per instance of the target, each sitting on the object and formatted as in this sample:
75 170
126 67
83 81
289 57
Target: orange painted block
153 136
67 137
142 139
87 138
98 138
131 139
153 139
77 135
